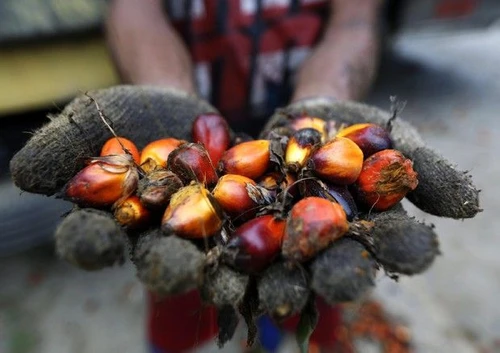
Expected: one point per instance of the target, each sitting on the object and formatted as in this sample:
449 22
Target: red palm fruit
212 131
191 162
240 196
371 138
155 154
105 181
313 223
255 244
305 122
300 147
387 176
132 214
156 188
192 213
116 145
338 161
336 193
250 159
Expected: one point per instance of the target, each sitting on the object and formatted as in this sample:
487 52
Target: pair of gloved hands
91 239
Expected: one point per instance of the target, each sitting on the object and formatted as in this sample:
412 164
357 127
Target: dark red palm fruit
313 223
104 182
387 176
336 193
191 162
155 154
132 214
156 188
371 138
212 131
338 161
240 196
276 182
250 159
255 244
312 122
192 213
121 145
300 147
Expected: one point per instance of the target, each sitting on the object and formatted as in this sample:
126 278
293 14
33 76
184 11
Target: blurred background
444 61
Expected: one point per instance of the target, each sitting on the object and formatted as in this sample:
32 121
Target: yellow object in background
35 76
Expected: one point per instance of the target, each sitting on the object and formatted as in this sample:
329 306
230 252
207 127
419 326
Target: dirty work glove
389 240
87 237
91 239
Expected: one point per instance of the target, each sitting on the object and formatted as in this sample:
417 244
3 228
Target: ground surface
452 85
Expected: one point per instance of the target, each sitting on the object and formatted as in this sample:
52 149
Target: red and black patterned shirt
246 51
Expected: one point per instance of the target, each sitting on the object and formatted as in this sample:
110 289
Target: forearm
343 65
145 47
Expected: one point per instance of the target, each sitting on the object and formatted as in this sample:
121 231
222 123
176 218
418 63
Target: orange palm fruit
240 196
192 213
191 162
118 145
250 159
387 176
132 214
155 154
255 244
338 161
300 147
371 138
105 181
212 131
313 223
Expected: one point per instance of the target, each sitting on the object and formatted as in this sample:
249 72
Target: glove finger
57 151
91 240
344 272
401 244
442 190
224 286
168 265
283 290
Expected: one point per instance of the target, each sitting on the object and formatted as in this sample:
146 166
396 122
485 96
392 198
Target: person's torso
245 52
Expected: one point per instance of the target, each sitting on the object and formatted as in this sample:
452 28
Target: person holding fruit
247 58
256 62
